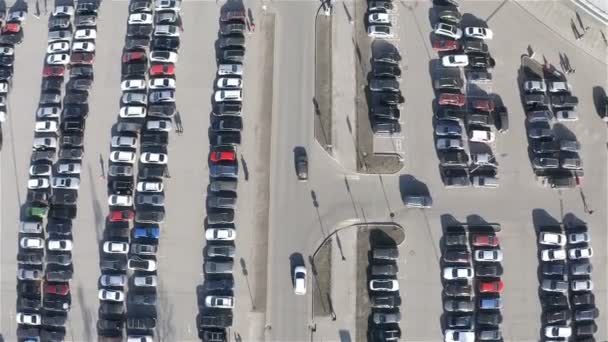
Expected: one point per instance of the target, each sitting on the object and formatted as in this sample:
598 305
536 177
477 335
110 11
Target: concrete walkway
560 15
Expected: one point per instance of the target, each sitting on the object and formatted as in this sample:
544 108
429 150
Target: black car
378 84
165 43
450 16
384 270
64 197
586 314
137 43
457 256
460 321
456 290
140 6
28 334
455 239
33 304
128 127
481 60
448 83
56 303
557 316
446 113
77 112
554 300
225 251
583 299
79 84
6 73
391 57
55 320
554 268
233 40
82 72
150 216
227 108
233 54
64 212
219 320
227 123
109 328
59 275
76 97
52 83
386 126
386 333
29 289
117 233
390 98
154 139
166 110
142 299
111 310
581 268
139 30
59 227
215 216
74 126
119 265
219 285
232 28
29 258
166 17
382 111
152 172
72 140
384 301
454 158
71 153
475 46
221 138
50 97
382 69
585 329
38 197
488 271
134 70
120 187
87 7
63 259
56 335
492 319
59 23
141 323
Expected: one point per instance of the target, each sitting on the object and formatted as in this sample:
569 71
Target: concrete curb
591 9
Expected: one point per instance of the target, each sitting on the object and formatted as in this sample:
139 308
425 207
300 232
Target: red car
452 99
121 215
483 240
485 105
162 70
11 28
491 286
445 45
133 56
82 58
57 289
53 70
217 156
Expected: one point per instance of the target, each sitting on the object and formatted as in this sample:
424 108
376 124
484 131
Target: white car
581 285
83 47
145 281
384 285
159 125
161 83
3 87
229 83
120 200
122 157
562 331
220 302
448 30
63 10
153 158
455 61
58 47
166 30
163 57
116 247
559 87
150 186
111 295
29 319
450 273
7 51
230 69
23 274
37 183
576 238
65 183
31 243
139 338
58 59
85 34
380 31
46 126
553 254
299 280
566 115
123 141
459 335
141 19
228 95
488 255
44 143
48 112
132 112
40 170
220 234
139 84
378 18
554 239
478 32
113 280
481 135
62 245
69 168
580 253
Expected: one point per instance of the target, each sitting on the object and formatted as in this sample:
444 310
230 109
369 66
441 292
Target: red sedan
121 215
445 45
162 70
483 240
133 56
57 289
53 70
452 99
491 286
217 156
485 105
82 58
11 28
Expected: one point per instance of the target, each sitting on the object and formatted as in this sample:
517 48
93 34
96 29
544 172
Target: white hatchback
120 200
58 47
132 112
138 84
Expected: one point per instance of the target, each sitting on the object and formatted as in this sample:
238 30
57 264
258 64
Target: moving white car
455 61
448 30
478 33
299 280
220 234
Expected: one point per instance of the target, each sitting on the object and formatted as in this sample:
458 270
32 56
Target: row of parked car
456 110
216 295
384 294
146 108
472 272
53 186
554 155
566 274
